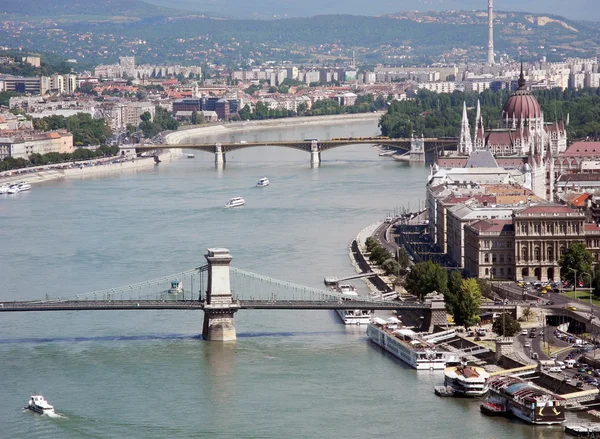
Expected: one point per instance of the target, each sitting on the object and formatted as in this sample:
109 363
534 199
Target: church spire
522 81
465 144
479 138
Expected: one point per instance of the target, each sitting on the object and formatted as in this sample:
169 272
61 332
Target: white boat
466 380
352 316
23 186
4 189
176 287
408 346
13 189
263 182
235 202
38 404
190 156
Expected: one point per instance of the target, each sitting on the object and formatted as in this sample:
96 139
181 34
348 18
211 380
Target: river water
291 374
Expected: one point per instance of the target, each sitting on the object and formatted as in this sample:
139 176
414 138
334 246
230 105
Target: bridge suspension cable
133 290
315 293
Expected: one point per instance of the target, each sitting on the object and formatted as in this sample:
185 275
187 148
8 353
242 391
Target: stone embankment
221 128
84 169
357 253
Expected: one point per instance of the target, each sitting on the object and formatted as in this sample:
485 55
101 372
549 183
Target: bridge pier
220 307
417 150
219 154
315 153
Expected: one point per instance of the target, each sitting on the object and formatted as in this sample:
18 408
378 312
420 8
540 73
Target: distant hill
88 8
574 9
154 34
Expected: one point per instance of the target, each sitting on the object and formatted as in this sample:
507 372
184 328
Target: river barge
513 396
412 348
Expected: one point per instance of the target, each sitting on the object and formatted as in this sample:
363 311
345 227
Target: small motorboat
235 202
23 186
13 189
38 404
4 189
190 156
263 182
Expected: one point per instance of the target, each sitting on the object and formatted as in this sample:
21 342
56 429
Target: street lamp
575 284
591 305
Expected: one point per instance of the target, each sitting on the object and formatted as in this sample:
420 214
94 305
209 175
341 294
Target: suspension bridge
218 290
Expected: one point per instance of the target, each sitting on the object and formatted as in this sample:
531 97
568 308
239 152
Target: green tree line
439 114
85 129
364 104
51 158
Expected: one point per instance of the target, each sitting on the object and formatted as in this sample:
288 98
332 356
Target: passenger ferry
263 182
38 404
514 396
352 316
235 202
466 380
409 346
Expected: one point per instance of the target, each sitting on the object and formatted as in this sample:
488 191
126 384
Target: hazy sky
574 9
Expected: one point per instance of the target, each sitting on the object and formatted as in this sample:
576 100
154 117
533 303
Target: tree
426 277
527 313
146 116
506 325
485 287
596 281
194 119
402 258
455 282
576 258
465 306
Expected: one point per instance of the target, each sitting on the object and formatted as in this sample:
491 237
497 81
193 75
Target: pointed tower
479 138
465 145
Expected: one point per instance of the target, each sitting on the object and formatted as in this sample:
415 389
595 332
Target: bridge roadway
95 305
99 305
431 144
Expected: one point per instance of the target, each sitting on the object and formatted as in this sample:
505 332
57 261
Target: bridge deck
99 305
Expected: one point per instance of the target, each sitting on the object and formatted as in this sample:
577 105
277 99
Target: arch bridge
416 146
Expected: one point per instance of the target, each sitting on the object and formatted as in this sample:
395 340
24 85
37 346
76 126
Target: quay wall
357 254
137 163
77 171
183 135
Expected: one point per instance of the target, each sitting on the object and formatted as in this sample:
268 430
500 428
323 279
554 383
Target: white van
555 369
560 364
570 363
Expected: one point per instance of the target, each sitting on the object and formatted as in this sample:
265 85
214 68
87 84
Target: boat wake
55 415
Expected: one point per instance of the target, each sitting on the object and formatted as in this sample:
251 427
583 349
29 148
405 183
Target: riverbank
86 169
211 130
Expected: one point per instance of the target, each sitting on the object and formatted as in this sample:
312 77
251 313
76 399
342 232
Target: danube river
148 374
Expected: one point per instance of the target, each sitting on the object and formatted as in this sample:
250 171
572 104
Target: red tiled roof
499 138
579 149
546 208
452 162
487 225
578 200
591 227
